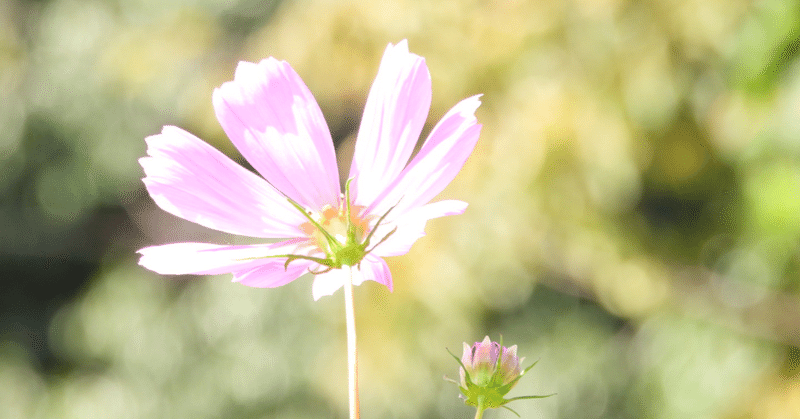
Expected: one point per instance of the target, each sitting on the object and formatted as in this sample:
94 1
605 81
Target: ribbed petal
437 163
214 259
275 122
273 274
485 354
395 112
192 180
466 360
411 226
466 355
328 283
372 269
509 365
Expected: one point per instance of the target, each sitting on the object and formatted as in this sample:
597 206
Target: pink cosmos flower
275 122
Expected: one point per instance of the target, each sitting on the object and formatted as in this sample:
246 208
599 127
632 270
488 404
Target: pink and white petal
395 112
215 259
439 160
411 226
274 273
272 118
192 180
372 268
329 282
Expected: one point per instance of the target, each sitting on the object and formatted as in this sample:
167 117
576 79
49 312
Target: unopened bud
488 372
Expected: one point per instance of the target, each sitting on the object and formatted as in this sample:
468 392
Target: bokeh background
634 218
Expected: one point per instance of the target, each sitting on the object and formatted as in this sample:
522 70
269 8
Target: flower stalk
352 351
480 408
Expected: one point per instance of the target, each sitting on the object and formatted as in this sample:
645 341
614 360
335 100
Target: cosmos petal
214 259
411 226
272 118
396 109
372 268
273 273
192 180
329 282
466 355
439 160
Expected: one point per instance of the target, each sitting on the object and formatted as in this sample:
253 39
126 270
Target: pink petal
466 355
394 114
192 180
214 259
485 353
466 360
437 163
411 226
372 268
274 273
329 282
275 122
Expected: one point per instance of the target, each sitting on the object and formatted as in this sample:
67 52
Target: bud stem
352 352
480 408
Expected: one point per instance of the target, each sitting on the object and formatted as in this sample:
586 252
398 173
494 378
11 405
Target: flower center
342 240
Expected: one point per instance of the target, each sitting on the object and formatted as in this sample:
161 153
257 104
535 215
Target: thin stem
480 409
352 352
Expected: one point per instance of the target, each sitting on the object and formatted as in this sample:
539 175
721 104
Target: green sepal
378 224
530 397
351 229
511 410
506 388
466 373
291 258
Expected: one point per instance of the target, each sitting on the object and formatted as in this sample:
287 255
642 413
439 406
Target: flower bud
481 362
488 372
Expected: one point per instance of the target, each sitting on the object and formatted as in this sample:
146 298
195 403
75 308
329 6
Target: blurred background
634 218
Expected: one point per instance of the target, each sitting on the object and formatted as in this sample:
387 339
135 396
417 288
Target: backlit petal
214 259
411 226
329 282
275 122
192 180
372 269
395 112
439 160
273 273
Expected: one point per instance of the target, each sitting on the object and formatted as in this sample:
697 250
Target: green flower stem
481 408
352 352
